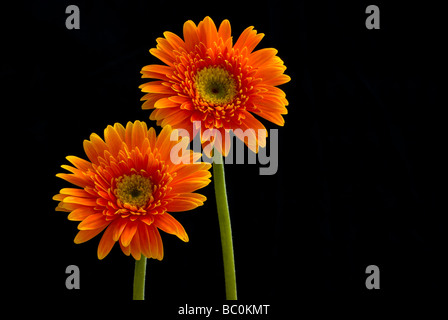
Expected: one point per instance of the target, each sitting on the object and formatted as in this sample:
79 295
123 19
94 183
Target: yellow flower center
215 85
134 190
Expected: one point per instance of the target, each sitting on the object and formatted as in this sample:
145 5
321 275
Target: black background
360 156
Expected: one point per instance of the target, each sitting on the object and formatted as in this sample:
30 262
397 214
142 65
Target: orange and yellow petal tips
209 79
127 188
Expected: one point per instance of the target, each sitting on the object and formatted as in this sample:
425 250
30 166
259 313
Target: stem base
139 279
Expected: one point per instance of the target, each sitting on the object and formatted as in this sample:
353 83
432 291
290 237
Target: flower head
209 79
129 186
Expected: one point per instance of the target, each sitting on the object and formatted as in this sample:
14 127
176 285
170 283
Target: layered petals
129 186
209 80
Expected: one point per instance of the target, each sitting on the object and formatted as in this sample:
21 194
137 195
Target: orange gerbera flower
129 186
208 79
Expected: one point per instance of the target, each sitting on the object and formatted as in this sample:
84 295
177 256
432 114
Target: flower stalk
225 227
139 279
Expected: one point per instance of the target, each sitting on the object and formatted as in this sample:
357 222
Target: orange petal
273 117
253 40
167 223
251 122
225 31
79 181
145 244
194 196
186 170
85 235
89 202
120 130
154 75
260 57
278 80
93 221
222 142
72 170
151 99
135 134
242 38
176 117
156 243
152 138
162 55
259 130
99 144
273 91
165 103
270 104
163 141
207 32
75 192
174 40
148 220
128 233
182 204
90 151
113 140
189 186
249 39
59 197
135 247
156 87
270 72
119 225
273 75
79 163
94 148
157 68
164 46
193 199
250 135
66 207
178 99
126 250
80 214
106 244
190 35
159 115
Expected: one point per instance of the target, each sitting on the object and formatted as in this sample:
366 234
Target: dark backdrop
360 156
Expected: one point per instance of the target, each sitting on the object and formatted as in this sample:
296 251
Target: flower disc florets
134 190
215 85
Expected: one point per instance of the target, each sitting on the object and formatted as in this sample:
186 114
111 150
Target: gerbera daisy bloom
209 79
129 186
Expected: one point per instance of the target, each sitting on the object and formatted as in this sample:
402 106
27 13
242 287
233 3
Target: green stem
139 279
225 227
